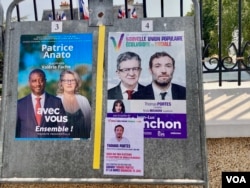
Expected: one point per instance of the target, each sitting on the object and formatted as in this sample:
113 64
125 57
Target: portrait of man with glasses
128 69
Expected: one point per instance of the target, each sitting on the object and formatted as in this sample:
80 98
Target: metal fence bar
220 41
35 9
144 4
219 69
181 8
126 8
162 8
239 53
71 9
144 8
201 22
240 66
53 9
18 13
7 72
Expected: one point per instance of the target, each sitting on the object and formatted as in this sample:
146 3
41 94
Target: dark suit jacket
26 122
116 92
178 92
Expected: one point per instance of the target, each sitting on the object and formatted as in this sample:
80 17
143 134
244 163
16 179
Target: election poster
54 87
146 78
124 147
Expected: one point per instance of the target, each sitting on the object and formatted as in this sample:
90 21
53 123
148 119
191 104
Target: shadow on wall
229 104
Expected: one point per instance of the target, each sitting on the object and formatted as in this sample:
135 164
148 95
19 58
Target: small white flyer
124 146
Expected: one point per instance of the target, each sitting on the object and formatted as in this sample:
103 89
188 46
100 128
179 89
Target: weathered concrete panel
101 12
164 159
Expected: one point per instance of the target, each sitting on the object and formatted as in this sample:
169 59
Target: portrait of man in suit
128 70
39 114
162 67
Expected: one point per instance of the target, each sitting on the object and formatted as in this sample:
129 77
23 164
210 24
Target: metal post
162 8
181 8
239 53
35 9
126 8
53 9
144 9
71 9
219 41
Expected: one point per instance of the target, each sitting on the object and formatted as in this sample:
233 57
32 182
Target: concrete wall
224 154
227 109
188 153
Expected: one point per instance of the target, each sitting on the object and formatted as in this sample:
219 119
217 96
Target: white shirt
124 89
157 92
42 101
124 140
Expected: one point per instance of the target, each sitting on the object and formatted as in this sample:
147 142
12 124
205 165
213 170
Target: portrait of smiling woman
118 107
77 106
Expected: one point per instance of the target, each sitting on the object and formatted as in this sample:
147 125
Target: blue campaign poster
54 87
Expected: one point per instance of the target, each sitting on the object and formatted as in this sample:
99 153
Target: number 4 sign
147 25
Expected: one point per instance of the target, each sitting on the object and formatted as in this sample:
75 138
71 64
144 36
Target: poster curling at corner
147 79
124 147
54 87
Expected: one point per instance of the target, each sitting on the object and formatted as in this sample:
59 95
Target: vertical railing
144 9
239 53
220 41
35 10
18 13
53 10
126 8
240 65
220 68
181 8
162 8
144 6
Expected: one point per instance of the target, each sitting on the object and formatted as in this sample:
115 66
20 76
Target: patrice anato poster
124 145
54 87
147 79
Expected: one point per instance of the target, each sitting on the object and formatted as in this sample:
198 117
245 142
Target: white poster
147 79
123 149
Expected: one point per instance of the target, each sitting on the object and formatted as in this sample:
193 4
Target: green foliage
23 92
86 87
51 88
191 13
229 24
245 25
